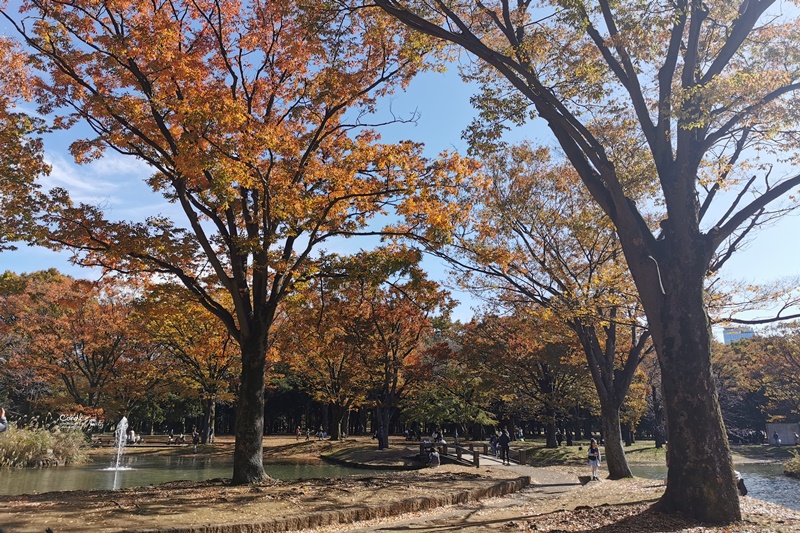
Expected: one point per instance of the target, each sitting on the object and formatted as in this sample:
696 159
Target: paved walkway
548 487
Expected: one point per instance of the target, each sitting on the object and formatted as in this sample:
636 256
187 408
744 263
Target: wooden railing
474 450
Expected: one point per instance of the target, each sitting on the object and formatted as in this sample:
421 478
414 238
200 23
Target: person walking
594 459
504 441
3 420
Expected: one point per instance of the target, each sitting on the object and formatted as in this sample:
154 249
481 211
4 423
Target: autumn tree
24 389
85 341
532 240
318 348
21 151
397 309
203 354
757 376
779 352
255 118
709 89
533 358
447 387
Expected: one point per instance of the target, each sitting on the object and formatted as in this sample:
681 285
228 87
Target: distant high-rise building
737 333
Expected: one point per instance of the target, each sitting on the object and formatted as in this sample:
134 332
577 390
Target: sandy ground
448 498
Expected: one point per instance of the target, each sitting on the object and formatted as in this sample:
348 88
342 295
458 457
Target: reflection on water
143 471
764 481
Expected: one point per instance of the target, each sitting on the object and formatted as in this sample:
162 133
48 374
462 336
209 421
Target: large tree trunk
248 452
701 481
614 452
337 414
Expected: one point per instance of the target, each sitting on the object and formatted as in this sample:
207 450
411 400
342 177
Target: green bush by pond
792 466
41 447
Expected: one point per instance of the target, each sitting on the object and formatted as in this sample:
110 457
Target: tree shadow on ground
632 518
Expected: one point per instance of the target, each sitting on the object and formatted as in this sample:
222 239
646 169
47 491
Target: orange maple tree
21 151
202 354
397 306
534 239
534 359
316 344
85 341
255 117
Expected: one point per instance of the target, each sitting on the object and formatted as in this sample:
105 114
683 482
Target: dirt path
604 507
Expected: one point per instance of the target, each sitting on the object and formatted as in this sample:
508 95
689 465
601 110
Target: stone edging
354 514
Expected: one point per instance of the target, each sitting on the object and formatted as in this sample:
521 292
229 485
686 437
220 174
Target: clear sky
442 101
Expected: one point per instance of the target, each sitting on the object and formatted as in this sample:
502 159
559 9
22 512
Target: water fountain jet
120 437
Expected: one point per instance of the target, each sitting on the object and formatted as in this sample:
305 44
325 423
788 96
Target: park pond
764 481
149 470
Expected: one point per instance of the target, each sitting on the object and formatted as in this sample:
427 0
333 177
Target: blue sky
442 101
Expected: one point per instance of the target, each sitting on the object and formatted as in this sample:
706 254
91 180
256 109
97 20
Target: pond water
764 481
151 470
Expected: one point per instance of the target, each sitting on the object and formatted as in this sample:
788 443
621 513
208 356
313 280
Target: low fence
472 449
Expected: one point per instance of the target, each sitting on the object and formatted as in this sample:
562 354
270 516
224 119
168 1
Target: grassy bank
643 452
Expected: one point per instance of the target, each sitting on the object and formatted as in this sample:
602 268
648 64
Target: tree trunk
337 417
248 452
612 385
208 416
700 482
550 434
385 418
614 452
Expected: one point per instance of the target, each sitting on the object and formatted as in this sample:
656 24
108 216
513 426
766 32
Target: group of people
196 437
132 437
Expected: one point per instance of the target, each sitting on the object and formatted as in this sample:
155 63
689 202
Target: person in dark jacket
504 441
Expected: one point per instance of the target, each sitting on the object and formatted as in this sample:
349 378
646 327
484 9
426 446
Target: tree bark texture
248 452
615 459
701 481
208 418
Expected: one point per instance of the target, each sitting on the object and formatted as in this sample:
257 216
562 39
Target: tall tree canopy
254 116
708 88
534 240
21 150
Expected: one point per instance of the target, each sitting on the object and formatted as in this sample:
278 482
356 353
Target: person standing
594 459
493 444
504 441
3 420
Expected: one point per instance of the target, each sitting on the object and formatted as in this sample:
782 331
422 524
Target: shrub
41 447
792 466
